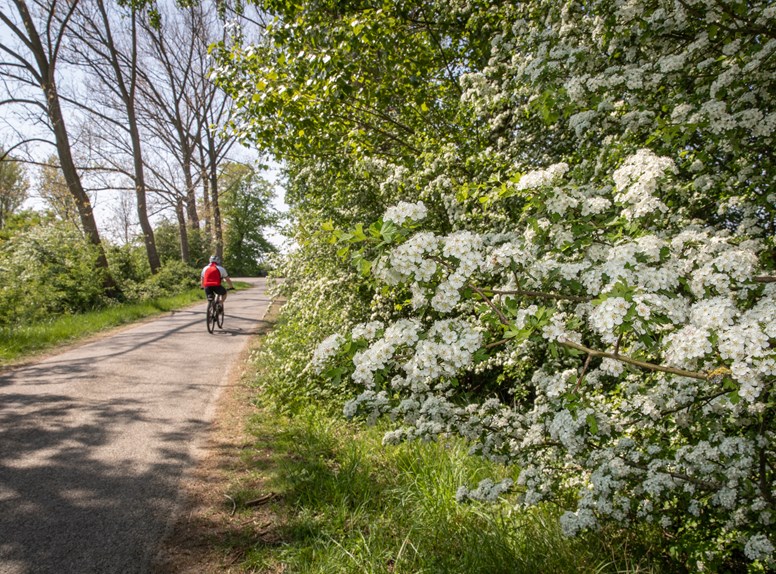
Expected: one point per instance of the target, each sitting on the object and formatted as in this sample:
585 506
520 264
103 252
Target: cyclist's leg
210 313
221 290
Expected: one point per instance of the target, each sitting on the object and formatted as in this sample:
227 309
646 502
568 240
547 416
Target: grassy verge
348 504
315 494
20 342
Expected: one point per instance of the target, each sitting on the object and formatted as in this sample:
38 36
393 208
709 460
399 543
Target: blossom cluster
636 182
327 349
404 211
486 491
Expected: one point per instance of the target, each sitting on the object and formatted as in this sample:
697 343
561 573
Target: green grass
24 341
350 505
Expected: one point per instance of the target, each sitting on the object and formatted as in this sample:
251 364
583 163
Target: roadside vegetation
546 229
28 339
306 491
349 504
52 291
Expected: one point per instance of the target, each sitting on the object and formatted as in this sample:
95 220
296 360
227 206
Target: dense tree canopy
561 218
248 214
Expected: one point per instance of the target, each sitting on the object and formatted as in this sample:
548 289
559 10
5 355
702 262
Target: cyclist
211 277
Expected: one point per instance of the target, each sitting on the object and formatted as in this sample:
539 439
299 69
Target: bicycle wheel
220 315
211 316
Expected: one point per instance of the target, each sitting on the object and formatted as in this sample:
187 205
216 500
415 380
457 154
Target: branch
23 101
617 346
583 373
765 279
23 80
541 295
381 116
91 110
497 343
481 293
765 490
19 33
680 475
635 362
72 5
6 153
448 68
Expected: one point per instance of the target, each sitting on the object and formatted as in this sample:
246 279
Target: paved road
94 441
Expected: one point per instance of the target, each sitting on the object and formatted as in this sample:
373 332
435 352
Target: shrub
48 270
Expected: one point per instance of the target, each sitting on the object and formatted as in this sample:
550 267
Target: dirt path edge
196 538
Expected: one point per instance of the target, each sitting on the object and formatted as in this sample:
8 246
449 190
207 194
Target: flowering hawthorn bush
574 268
652 394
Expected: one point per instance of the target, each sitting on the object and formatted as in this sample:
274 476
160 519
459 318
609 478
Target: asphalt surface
94 441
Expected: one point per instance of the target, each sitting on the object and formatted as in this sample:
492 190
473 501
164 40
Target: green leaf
375 230
358 233
592 423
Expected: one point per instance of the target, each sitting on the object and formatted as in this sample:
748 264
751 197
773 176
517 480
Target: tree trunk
128 93
184 233
137 156
73 179
191 196
140 194
218 238
46 70
205 192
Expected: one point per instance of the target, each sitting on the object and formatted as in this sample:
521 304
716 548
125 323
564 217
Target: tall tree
13 187
167 184
214 109
30 48
169 80
113 58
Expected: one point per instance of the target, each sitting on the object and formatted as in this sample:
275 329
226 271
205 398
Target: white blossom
403 211
758 547
327 349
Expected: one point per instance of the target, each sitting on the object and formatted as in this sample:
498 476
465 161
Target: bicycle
215 312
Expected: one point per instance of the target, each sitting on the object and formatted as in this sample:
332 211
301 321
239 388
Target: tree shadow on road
66 506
